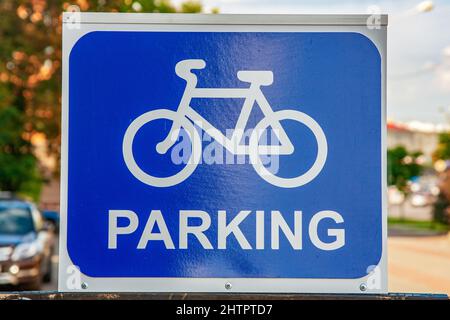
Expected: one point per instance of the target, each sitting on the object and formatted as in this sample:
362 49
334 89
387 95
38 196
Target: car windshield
15 221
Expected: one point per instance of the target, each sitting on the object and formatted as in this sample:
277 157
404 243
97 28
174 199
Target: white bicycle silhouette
185 117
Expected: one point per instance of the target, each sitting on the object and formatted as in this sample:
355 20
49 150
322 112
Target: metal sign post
223 153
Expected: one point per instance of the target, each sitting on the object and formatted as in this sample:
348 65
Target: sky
418 77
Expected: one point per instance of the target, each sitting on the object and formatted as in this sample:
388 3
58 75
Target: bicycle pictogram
185 117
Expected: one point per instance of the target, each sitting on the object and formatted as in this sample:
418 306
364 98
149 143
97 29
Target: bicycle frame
252 95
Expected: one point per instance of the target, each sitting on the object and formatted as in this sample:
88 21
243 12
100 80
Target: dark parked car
27 244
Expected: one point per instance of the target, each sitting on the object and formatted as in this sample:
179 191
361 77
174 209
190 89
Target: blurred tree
402 166
191 7
30 76
441 212
443 150
441 208
18 164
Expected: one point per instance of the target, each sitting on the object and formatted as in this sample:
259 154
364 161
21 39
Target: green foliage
443 150
401 167
418 224
191 6
442 204
440 214
18 165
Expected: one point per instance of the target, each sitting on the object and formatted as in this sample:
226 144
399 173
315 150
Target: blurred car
52 217
424 191
27 244
422 199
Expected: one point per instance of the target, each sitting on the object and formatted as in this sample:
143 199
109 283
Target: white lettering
294 238
197 223
164 235
232 228
197 231
339 234
114 230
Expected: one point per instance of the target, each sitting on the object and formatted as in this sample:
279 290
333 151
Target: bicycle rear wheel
127 148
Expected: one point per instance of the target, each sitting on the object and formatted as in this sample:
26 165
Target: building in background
414 136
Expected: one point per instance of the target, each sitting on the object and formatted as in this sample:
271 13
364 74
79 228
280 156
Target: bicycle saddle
264 78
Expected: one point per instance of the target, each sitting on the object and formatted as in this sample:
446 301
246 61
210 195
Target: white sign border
73 30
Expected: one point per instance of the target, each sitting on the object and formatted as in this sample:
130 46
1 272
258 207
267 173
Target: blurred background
418 130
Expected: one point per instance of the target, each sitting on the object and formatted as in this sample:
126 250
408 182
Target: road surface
419 264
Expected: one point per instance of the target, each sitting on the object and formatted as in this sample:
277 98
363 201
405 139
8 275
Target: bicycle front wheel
313 171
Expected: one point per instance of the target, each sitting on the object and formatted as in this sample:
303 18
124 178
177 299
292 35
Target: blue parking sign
199 156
